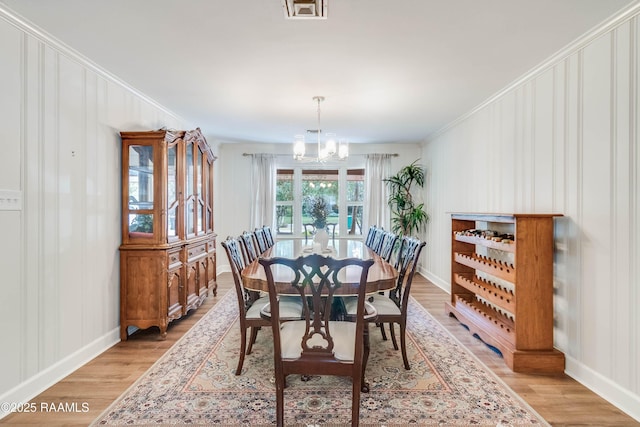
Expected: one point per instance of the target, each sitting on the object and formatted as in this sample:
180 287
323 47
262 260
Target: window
321 183
355 200
343 189
284 201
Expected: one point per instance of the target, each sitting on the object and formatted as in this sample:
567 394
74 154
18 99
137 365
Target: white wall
233 206
563 140
61 154
61 119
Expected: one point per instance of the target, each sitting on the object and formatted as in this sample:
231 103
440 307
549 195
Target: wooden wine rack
507 303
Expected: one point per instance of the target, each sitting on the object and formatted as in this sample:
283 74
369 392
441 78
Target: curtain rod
289 155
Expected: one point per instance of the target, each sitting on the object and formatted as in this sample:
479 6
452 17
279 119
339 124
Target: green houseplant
407 215
319 210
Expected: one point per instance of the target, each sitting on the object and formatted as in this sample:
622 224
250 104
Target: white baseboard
621 398
442 284
41 381
223 269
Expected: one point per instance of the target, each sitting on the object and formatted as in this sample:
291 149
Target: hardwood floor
559 399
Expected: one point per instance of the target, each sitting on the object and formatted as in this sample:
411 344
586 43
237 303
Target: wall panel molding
24 291
634 200
579 113
34 31
587 38
64 115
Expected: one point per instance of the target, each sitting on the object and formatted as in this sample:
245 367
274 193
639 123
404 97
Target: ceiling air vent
305 9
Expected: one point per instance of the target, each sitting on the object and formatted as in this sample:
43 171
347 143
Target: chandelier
332 148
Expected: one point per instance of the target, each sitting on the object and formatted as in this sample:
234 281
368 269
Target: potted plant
407 215
319 210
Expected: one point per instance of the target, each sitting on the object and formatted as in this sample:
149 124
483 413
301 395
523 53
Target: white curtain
263 190
376 210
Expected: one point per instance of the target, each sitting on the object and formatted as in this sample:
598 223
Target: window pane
198 171
189 170
296 208
140 223
140 188
355 199
140 177
355 185
284 186
172 216
284 219
172 195
354 220
320 183
355 191
189 213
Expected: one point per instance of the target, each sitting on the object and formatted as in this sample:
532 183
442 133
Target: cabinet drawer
173 259
196 251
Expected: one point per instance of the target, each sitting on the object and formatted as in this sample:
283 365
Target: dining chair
392 308
378 239
318 345
249 251
261 240
370 236
250 303
268 235
388 245
309 231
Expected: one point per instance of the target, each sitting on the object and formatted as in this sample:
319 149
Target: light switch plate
10 200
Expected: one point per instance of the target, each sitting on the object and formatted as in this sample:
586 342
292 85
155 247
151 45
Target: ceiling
390 70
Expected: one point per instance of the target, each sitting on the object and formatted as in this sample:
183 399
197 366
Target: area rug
195 383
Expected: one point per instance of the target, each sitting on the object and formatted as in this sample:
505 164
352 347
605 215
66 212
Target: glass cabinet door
199 201
189 196
167 187
141 187
172 191
208 193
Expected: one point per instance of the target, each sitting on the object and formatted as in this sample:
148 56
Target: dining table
382 275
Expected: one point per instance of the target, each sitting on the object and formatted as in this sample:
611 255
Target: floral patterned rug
195 383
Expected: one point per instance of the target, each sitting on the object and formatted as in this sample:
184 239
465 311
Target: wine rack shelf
502 286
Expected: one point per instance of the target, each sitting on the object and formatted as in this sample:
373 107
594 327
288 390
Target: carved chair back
261 240
318 345
248 247
378 238
370 235
268 236
406 264
236 262
388 245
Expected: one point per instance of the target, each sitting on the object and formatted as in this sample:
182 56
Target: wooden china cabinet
167 255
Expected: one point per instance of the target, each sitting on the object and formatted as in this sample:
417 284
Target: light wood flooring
559 399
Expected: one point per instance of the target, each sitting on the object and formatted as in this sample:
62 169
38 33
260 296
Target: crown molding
33 30
623 15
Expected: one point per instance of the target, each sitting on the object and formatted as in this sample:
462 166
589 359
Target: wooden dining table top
382 275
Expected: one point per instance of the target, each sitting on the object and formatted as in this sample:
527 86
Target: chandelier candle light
330 148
